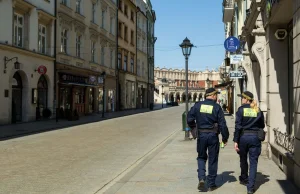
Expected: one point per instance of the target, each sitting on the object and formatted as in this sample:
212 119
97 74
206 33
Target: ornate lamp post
186 46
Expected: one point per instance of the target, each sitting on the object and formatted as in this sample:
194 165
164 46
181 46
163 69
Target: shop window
65 98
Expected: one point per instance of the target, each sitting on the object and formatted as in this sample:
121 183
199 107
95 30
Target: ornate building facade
170 84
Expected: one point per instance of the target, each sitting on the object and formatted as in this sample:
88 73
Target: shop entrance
16 106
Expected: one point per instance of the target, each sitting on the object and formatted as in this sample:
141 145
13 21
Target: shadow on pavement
261 179
226 177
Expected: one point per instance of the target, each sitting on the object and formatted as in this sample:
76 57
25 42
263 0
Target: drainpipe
55 68
148 68
116 60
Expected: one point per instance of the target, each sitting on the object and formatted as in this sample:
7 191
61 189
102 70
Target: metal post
103 97
186 95
162 96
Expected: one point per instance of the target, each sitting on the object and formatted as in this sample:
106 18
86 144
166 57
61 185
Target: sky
200 21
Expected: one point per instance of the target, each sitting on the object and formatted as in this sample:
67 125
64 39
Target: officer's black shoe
250 192
244 183
212 188
201 184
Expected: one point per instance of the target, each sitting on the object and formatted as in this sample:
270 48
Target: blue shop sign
232 44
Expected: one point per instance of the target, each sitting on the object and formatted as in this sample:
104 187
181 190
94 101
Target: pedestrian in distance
210 121
249 133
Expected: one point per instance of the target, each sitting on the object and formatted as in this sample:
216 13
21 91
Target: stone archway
200 96
172 99
183 97
19 97
194 97
189 97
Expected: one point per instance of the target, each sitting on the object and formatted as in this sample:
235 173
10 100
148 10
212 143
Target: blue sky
200 21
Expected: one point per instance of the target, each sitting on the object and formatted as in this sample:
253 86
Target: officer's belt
250 131
208 130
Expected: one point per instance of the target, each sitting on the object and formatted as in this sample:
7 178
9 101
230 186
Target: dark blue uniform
207 113
246 124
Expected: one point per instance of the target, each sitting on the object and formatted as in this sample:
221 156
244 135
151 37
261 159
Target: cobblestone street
142 153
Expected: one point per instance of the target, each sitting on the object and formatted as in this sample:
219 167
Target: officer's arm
191 117
222 125
262 120
238 126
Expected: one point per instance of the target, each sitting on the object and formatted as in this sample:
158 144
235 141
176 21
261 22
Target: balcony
228 10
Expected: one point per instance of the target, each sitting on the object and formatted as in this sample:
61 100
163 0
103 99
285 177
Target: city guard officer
210 122
249 121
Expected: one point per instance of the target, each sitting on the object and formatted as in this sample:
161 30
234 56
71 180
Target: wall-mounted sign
235 59
236 74
232 44
68 78
42 69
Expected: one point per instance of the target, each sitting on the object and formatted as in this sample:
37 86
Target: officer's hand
236 147
225 143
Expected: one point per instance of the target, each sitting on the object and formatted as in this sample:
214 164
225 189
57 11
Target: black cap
211 91
248 95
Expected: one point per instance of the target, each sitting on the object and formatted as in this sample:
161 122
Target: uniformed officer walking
208 114
249 122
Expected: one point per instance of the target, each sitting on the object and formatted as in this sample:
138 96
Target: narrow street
143 153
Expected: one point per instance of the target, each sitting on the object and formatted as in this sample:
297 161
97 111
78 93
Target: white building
27 37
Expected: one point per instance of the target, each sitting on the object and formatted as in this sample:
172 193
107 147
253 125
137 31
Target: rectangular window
111 58
18 30
125 63
102 56
64 2
78 45
119 60
93 12
132 65
103 19
93 49
125 10
132 37
78 6
63 41
120 30
111 25
120 5
42 39
125 33
132 16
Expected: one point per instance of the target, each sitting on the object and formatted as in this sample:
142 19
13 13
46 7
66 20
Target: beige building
127 54
86 42
27 51
170 84
142 67
269 31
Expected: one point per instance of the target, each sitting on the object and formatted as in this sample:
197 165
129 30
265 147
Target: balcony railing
228 10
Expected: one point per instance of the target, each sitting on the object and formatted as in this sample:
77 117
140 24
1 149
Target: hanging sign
232 44
42 69
235 59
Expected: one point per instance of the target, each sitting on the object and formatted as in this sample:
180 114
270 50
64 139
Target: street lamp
186 47
16 64
103 75
162 96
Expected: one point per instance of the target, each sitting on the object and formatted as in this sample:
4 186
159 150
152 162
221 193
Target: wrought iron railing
284 140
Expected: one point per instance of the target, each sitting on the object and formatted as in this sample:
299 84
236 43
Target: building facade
151 39
86 49
142 67
27 50
268 31
127 54
170 84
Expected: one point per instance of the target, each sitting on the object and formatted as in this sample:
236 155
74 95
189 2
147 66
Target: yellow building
127 53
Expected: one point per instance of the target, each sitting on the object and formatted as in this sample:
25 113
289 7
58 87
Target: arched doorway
195 97
200 96
189 97
183 97
42 102
171 97
178 97
16 106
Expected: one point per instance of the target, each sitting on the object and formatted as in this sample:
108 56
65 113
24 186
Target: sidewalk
22 129
173 169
